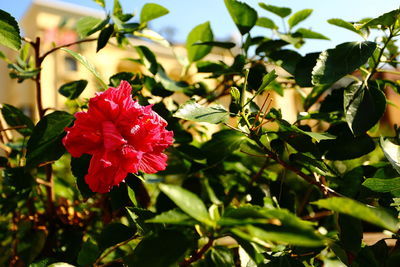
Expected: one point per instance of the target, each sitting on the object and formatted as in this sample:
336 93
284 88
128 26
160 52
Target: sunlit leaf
9 31
244 16
279 11
392 153
200 33
152 11
391 186
195 112
298 17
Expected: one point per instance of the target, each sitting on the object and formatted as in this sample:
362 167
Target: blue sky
186 14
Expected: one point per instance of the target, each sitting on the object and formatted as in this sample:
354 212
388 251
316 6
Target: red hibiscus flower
122 137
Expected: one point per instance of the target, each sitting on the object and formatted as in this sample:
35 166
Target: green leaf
225 142
266 23
100 2
79 169
170 245
9 31
287 59
309 34
168 83
15 117
117 9
73 90
87 64
385 20
173 217
226 45
384 185
274 234
45 143
244 16
147 58
195 112
344 24
351 233
298 17
363 107
88 253
392 153
304 68
235 93
200 33
114 233
267 79
61 264
89 25
373 215
18 178
314 95
188 202
104 36
280 11
345 58
152 11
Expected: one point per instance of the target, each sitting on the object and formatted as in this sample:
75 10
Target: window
70 64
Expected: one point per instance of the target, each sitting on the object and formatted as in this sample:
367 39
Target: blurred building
53 21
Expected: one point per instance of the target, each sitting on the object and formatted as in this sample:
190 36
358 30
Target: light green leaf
87 64
152 11
244 16
384 185
190 203
384 20
266 23
89 25
373 215
173 217
100 2
275 234
200 33
363 107
319 136
9 31
195 112
344 24
345 58
280 11
168 83
298 17
309 34
392 153
235 93
61 264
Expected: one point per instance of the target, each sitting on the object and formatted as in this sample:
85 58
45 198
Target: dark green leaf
314 95
363 107
391 186
227 45
361 211
173 217
169 244
104 36
385 20
351 233
152 11
309 34
73 90
267 79
195 112
298 17
266 23
89 25
345 58
287 59
87 64
200 33
88 253
9 31
147 58
219 256
45 143
280 11
188 202
208 66
114 233
392 153
18 178
15 118
304 69
225 142
79 168
244 16
344 24
346 145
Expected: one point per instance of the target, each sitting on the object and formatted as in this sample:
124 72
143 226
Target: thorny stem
198 254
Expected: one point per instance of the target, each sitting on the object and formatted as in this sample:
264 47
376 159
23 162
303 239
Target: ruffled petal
112 139
153 162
